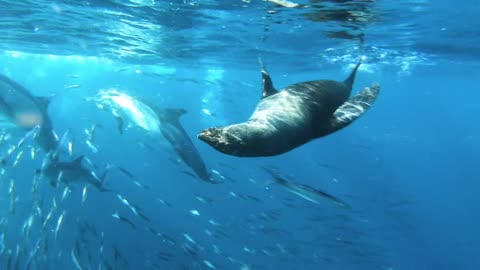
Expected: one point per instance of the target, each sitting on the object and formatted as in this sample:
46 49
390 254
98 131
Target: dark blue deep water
408 168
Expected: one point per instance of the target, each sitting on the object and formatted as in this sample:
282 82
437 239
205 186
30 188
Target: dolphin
125 107
21 109
149 117
176 135
69 172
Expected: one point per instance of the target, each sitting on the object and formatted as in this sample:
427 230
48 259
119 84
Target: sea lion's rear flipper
267 84
349 81
353 108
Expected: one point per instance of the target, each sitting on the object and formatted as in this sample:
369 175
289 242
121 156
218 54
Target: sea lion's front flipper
353 108
267 84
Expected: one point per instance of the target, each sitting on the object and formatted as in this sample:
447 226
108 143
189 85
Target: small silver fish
25 227
84 194
75 260
70 148
194 212
66 192
213 222
91 146
189 238
209 264
17 158
49 215
2 243
72 86
59 224
32 153
13 198
285 3
125 202
117 216
59 177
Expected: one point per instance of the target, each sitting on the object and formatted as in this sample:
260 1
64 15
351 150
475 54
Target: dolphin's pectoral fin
267 84
120 124
353 108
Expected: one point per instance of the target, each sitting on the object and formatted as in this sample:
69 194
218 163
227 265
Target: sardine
59 224
17 159
125 202
117 216
84 194
75 260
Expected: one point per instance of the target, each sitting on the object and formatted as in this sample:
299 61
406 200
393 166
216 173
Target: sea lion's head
222 140
241 140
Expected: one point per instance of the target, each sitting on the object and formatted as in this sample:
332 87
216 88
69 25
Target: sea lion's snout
210 136
216 138
224 140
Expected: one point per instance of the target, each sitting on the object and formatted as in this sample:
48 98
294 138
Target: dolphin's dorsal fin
79 159
166 114
172 114
267 84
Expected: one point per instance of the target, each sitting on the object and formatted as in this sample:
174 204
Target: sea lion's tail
349 81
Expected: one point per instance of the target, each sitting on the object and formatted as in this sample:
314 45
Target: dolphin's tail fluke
104 175
100 182
351 78
101 187
104 189
44 101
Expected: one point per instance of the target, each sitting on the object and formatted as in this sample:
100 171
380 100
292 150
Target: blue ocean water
407 168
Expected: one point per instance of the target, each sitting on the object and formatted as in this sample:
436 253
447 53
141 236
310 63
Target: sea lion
286 119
